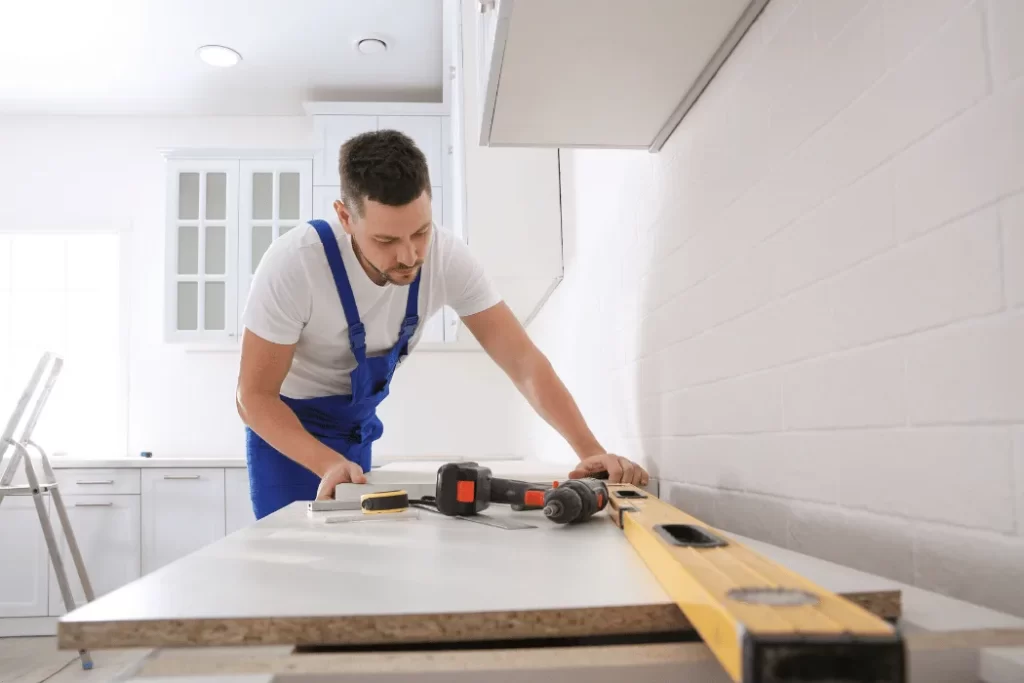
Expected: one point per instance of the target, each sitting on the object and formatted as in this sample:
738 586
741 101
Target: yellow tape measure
383 502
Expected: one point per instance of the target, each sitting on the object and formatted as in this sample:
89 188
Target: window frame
121 230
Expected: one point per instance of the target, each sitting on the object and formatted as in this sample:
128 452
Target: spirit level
763 622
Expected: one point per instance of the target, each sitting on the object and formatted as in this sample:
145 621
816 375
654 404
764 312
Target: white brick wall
805 313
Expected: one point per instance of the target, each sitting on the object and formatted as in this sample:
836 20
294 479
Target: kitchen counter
66 463
509 466
416 588
293 578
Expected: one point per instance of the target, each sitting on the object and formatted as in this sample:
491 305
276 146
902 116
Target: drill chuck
575 500
563 505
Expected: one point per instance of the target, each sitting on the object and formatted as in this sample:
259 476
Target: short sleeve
468 290
280 300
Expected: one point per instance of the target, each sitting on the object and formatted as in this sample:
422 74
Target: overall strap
412 318
356 331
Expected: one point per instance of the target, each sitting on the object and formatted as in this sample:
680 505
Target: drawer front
99 481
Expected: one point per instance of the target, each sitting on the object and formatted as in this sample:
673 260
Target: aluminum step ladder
36 393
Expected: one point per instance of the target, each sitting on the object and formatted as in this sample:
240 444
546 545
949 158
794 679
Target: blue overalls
346 423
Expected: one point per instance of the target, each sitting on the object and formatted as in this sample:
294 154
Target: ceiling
131 57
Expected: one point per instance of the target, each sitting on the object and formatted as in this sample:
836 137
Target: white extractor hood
599 73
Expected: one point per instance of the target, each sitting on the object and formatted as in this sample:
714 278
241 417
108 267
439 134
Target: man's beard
382 273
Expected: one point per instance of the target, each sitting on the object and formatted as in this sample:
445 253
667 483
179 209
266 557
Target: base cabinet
182 511
127 522
238 512
23 590
108 532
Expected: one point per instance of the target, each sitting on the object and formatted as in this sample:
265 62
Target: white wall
88 172
806 311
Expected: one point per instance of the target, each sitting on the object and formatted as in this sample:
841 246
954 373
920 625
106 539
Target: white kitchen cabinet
201 240
222 214
23 589
182 511
509 199
107 480
324 198
332 130
275 195
238 512
330 133
550 76
323 203
425 131
107 529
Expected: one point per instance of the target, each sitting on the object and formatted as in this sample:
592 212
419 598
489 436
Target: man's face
391 241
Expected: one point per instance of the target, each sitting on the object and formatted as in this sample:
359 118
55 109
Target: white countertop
63 463
505 466
293 564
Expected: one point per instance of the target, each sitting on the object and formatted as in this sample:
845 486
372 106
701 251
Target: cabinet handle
181 476
86 482
93 505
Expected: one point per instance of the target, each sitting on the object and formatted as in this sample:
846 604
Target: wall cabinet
182 510
431 135
332 130
222 215
548 79
224 209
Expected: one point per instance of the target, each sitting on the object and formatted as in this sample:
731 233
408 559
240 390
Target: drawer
103 481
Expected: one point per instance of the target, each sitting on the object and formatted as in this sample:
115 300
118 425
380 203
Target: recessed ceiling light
218 55
371 46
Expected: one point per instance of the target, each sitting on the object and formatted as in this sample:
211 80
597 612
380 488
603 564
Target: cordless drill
466 488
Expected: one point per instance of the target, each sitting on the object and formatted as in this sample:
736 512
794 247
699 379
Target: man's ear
344 215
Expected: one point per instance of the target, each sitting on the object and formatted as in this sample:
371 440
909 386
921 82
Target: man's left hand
620 470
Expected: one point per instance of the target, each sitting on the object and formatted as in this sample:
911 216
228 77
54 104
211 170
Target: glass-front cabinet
223 215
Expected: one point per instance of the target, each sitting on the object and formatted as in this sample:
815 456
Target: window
60 292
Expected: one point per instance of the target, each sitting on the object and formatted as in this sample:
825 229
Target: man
331 314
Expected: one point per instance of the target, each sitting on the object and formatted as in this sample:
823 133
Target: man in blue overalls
334 309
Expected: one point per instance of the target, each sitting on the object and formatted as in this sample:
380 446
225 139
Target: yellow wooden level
763 622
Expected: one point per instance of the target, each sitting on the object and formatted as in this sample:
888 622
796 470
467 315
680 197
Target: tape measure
384 502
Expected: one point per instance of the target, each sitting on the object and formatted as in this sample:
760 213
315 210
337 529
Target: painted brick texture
805 313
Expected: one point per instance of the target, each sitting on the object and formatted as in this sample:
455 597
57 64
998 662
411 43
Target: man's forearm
278 425
546 393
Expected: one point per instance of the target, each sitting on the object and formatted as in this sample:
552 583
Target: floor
34 660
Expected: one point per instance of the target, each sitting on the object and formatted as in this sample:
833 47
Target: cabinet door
330 133
238 512
201 248
437 205
182 511
323 203
425 131
274 196
23 589
107 529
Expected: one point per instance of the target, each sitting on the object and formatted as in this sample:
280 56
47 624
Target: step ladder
36 393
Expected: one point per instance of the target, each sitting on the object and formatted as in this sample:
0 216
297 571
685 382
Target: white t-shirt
293 298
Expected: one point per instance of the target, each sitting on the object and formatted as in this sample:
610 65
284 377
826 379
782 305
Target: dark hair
385 166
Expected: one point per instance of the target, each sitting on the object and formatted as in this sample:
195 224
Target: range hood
599 73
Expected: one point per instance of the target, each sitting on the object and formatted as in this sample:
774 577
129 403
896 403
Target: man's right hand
344 472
